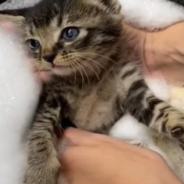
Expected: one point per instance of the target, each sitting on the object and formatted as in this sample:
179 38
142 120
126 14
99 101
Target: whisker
73 67
93 46
98 55
76 65
79 54
89 59
92 69
80 64
75 56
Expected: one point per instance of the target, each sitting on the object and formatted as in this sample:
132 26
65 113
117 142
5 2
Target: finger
180 52
172 73
79 137
75 137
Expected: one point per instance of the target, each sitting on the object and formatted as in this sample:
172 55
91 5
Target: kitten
97 78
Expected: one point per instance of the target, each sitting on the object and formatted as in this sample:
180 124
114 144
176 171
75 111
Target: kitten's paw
172 94
175 126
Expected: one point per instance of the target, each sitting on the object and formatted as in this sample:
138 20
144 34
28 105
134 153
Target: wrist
136 36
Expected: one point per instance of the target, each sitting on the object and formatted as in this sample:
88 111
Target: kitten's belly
94 114
97 111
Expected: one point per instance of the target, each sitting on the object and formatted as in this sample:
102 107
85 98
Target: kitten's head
69 36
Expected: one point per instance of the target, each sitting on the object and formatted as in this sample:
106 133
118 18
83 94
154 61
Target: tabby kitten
95 79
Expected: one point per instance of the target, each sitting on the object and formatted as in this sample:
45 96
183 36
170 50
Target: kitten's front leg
169 118
170 121
43 164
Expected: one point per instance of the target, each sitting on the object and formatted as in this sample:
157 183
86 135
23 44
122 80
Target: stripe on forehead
96 3
85 10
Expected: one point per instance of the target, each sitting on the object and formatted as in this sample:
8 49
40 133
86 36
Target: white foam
151 14
19 93
129 129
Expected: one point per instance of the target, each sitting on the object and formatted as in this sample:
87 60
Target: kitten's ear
17 20
15 16
113 5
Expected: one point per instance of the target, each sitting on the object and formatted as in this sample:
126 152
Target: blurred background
14 4
9 4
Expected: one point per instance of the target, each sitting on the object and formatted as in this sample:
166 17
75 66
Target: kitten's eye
34 44
70 34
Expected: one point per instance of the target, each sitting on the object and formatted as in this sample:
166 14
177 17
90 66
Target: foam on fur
171 93
128 128
151 14
18 98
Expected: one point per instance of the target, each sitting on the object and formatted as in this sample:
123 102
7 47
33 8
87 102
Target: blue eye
70 34
34 44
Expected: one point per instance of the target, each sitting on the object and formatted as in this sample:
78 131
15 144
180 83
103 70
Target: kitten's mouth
60 67
54 67
46 73
61 70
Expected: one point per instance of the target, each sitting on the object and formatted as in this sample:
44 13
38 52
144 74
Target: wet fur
104 83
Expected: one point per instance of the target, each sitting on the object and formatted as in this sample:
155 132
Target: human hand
164 54
93 158
161 53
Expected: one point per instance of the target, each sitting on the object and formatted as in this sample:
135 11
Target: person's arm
164 54
99 159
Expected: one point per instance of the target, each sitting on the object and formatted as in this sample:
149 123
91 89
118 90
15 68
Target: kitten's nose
49 58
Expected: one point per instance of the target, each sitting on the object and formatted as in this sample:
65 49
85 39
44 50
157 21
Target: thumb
76 137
